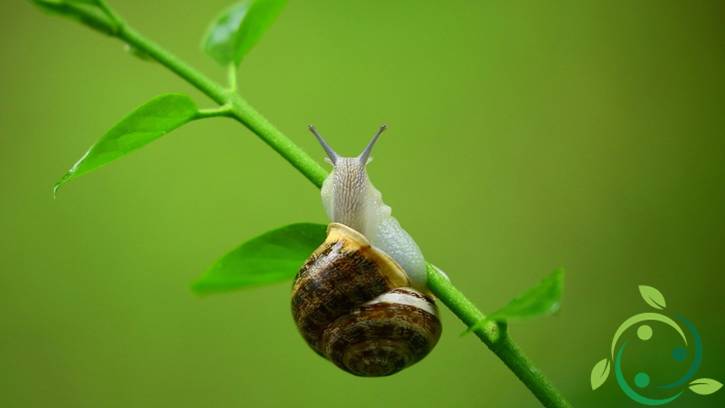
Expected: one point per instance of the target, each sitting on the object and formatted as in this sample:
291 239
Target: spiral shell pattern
352 304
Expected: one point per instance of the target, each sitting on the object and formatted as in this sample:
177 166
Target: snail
361 299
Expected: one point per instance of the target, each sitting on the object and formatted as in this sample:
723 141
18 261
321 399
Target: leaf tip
197 287
58 184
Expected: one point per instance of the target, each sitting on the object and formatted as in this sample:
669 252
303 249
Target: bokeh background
524 136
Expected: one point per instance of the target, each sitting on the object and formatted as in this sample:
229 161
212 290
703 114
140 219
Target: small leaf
542 299
147 123
239 28
271 257
652 296
600 373
705 386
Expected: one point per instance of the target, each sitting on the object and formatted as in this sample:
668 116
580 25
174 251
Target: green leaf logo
652 296
705 386
600 373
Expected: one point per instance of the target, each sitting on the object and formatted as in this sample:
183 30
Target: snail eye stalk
328 149
369 148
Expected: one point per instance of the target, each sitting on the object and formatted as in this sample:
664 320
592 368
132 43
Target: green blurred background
524 136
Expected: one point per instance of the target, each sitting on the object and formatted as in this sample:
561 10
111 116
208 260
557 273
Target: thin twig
108 11
224 110
232 78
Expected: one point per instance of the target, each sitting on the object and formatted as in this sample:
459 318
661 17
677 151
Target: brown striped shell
352 304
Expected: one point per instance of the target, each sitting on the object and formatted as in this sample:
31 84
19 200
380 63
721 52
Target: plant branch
241 110
200 81
108 11
224 110
494 335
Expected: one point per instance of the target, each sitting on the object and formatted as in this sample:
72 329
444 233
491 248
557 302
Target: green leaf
600 373
652 296
238 29
542 299
272 257
147 123
84 11
705 386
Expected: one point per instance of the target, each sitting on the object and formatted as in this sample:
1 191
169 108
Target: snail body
360 299
350 198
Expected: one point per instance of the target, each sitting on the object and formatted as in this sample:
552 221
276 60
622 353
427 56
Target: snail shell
353 305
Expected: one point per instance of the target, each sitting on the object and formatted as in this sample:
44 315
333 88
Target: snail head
362 158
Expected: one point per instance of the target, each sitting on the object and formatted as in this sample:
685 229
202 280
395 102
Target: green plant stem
232 78
224 110
108 11
203 83
494 335
241 110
